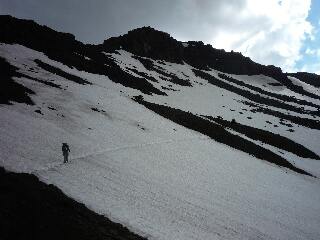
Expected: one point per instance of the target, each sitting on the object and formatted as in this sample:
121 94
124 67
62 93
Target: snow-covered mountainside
173 140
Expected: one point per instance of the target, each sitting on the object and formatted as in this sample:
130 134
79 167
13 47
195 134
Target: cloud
313 52
268 31
313 68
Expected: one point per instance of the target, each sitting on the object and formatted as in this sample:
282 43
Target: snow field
157 178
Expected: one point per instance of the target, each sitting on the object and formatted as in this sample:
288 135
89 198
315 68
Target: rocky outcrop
143 42
309 78
9 89
34 210
147 42
37 37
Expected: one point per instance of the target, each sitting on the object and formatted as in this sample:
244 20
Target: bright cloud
313 52
268 31
313 68
284 37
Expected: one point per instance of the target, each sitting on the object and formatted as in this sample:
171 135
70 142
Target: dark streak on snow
148 64
267 137
251 96
306 122
281 97
48 83
61 73
218 133
9 89
103 112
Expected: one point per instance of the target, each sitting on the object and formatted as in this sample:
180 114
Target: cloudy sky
285 33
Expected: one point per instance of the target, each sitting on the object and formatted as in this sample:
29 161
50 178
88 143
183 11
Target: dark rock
147 42
33 210
48 83
218 133
310 78
38 111
281 97
274 84
61 73
267 137
307 122
144 42
253 96
64 48
9 89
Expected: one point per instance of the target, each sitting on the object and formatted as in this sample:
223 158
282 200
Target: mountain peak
144 42
148 30
147 42
158 45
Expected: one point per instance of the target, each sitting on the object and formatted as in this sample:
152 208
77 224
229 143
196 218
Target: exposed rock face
310 78
64 48
37 37
9 89
145 42
148 42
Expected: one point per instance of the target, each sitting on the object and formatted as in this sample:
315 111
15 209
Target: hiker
65 152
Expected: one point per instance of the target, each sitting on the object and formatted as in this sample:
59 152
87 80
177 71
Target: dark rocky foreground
30 209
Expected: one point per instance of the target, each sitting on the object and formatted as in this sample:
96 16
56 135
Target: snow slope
156 177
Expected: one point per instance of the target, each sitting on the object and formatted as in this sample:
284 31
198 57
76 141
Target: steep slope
33 210
173 140
308 78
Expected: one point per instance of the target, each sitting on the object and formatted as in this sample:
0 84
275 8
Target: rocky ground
34 210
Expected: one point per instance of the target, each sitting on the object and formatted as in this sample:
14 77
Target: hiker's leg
65 158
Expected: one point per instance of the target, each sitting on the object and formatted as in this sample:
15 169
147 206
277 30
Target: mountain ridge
142 41
145 42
